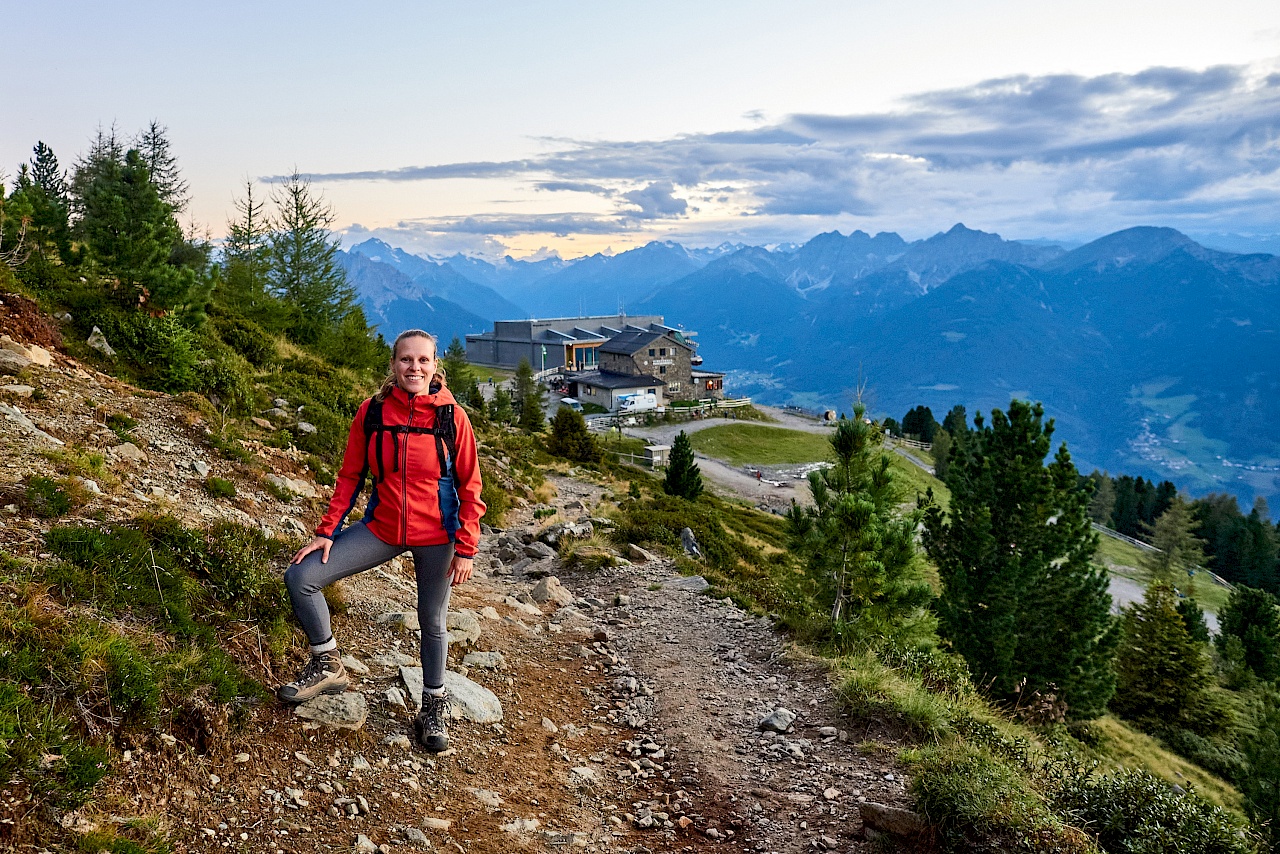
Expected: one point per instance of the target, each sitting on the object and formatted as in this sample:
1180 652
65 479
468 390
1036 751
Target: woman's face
414 364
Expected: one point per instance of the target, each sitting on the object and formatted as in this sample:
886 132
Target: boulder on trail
780 720
468 700
463 627
550 589
347 710
690 543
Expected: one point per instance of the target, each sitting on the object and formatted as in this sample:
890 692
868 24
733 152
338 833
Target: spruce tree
304 268
1020 598
1250 616
454 362
500 408
1103 501
246 265
50 204
1179 551
570 438
527 399
153 144
1261 782
683 478
1162 673
132 233
854 541
941 454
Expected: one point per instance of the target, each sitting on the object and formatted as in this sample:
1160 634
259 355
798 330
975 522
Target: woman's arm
346 488
467 467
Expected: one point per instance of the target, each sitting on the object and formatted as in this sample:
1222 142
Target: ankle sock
328 646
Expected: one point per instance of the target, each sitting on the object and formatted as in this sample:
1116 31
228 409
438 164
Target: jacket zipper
404 481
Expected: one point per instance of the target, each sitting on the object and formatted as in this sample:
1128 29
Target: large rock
468 700
37 355
550 589
488 660
571 530
16 416
690 543
538 550
341 711
297 487
893 821
13 363
407 620
129 451
98 341
463 627
636 553
694 583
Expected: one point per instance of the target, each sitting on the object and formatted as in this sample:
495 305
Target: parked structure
562 342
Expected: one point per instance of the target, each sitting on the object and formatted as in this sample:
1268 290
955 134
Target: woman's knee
297 579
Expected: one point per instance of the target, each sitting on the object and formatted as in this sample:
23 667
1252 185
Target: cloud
1025 153
657 201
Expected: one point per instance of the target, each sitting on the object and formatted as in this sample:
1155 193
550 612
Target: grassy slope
1119 743
1125 560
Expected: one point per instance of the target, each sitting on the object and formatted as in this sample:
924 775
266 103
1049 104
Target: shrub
49 498
219 487
121 424
1134 812
569 437
247 338
227 380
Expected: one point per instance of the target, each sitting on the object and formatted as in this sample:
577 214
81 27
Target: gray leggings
356 550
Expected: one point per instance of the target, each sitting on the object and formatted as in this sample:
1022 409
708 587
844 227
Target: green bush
1134 812
1212 754
48 498
121 424
219 487
227 380
246 338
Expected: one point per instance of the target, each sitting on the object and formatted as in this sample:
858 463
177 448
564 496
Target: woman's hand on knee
460 569
320 544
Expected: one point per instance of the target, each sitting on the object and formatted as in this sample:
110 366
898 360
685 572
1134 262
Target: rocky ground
620 710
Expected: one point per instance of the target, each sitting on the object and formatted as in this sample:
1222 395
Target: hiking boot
431 727
324 674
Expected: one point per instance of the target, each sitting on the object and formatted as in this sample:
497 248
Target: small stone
520 825
306 428
831 794
98 341
407 620
692 583
780 720
550 589
638 554
582 776
484 660
365 845
242 758
399 740
433 823
129 451
360 764
201 468
394 697
490 799
342 711
19 390
302 757
490 613
893 821
549 726
416 837
463 626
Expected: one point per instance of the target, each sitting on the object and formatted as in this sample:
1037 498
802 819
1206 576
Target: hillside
602 738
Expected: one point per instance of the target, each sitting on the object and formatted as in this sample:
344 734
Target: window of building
662 369
673 387
662 352
651 352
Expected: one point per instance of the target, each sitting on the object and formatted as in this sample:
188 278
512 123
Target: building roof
629 343
700 374
610 380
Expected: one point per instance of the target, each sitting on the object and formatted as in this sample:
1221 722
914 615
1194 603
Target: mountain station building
603 358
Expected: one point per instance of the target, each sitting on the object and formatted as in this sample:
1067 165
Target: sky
534 127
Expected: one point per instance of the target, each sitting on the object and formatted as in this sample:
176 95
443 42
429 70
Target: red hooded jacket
404 508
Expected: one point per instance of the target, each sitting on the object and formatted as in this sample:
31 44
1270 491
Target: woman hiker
416 445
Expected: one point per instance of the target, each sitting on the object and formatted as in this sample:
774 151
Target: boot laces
313 672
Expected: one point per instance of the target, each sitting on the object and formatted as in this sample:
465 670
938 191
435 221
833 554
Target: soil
631 720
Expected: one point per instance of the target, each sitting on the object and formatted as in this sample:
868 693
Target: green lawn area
1125 560
743 444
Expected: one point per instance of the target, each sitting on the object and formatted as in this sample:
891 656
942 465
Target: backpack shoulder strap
446 433
374 429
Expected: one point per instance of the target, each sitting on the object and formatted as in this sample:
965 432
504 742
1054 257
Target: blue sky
572 127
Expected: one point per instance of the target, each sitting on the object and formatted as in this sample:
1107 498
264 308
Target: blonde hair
390 382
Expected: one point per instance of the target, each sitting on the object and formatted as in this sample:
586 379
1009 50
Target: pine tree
1162 673
105 152
500 408
304 267
132 233
570 438
941 454
1020 597
50 204
1250 616
246 266
683 478
153 144
527 399
1261 782
854 541
1103 501
1179 550
920 424
454 362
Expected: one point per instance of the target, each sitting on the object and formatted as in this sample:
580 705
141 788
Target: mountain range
1154 354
